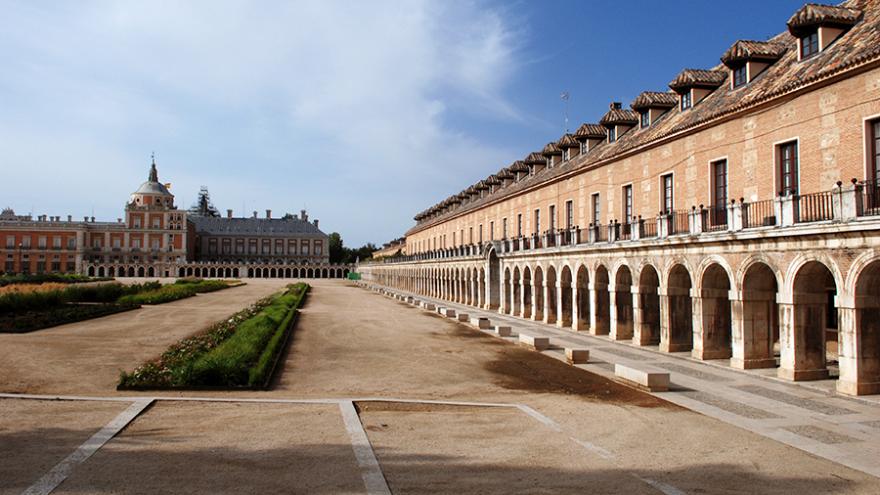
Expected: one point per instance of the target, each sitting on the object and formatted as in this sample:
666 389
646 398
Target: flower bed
241 351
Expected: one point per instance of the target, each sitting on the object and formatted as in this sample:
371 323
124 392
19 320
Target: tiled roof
519 166
811 15
753 50
551 149
481 185
654 99
698 78
567 141
260 226
505 173
535 159
590 131
856 48
619 116
492 180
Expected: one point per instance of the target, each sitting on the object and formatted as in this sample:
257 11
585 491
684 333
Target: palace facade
733 216
157 239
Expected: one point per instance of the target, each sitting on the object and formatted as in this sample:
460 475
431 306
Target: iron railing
679 224
715 218
649 228
814 207
759 214
870 198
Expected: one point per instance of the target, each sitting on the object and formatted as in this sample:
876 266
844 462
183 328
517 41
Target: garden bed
29 321
241 351
62 278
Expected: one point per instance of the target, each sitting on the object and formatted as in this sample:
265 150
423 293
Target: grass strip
240 351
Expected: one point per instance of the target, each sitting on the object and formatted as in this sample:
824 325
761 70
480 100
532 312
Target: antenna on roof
565 96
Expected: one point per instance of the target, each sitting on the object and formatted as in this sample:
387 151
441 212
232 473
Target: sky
362 112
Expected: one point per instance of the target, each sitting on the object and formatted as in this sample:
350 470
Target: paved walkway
805 416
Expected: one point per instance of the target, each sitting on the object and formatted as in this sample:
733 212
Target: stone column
795 361
619 330
525 310
560 319
597 327
858 326
752 339
706 313
575 309
537 292
642 319
545 295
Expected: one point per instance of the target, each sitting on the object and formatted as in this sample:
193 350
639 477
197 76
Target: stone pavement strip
805 416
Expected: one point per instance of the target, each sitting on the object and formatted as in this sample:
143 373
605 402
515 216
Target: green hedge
60 315
39 278
14 302
173 292
240 351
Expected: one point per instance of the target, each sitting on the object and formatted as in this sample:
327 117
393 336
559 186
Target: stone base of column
853 388
802 375
667 347
752 364
710 354
580 326
537 316
563 323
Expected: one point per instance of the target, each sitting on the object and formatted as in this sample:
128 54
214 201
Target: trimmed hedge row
60 315
92 293
173 292
239 352
39 278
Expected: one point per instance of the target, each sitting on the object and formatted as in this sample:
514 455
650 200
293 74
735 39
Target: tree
341 254
336 250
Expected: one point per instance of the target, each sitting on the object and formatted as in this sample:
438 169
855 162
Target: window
71 243
667 192
569 214
686 100
645 119
874 142
810 44
453 239
136 222
583 147
788 168
719 192
481 233
740 76
627 203
519 225
552 218
492 231
135 244
612 134
156 222
41 242
504 228
537 221
471 235
596 209
566 154
319 248
10 241
56 242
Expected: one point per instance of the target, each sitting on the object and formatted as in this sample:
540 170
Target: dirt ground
351 343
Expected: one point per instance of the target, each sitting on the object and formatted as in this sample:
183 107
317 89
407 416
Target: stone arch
862 375
516 292
582 284
250 272
507 291
566 294
181 272
140 271
538 293
494 270
676 326
749 262
91 271
714 338
527 292
482 286
647 331
602 307
111 271
151 272
809 323
235 272
622 316
101 271
798 263
758 335
551 299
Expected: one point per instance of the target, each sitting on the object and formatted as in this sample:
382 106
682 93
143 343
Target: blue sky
363 112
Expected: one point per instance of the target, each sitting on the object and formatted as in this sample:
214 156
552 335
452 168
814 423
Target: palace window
627 203
569 214
612 134
538 221
566 154
71 242
56 242
583 147
471 235
667 192
809 44
719 192
874 143
504 228
552 218
10 241
319 248
492 231
481 233
788 168
41 242
686 100
645 119
519 224
596 209
740 76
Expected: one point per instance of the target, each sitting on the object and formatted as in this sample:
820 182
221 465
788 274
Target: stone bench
538 343
428 306
577 356
480 322
501 330
464 317
448 312
644 377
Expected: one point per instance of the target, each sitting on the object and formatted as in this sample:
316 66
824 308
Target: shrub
64 278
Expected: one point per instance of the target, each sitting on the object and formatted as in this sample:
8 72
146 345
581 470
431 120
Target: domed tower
152 193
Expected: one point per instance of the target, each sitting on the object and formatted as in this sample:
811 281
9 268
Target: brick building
733 216
156 238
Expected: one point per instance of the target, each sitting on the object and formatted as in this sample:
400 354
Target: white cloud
339 105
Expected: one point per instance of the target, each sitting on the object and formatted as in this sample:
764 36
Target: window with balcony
596 209
627 203
874 144
504 228
719 192
787 164
538 221
552 218
667 200
519 224
10 241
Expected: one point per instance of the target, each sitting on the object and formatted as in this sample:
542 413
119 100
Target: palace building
733 215
157 239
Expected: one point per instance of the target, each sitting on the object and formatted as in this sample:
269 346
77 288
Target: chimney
268 214
255 213
92 219
304 215
69 218
85 219
316 223
118 220
228 213
615 105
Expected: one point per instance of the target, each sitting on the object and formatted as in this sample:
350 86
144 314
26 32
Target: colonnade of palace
761 305
222 270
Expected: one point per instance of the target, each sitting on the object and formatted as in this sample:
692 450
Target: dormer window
566 154
809 45
583 147
685 100
612 134
644 119
740 75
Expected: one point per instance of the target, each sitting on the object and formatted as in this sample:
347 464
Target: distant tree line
341 254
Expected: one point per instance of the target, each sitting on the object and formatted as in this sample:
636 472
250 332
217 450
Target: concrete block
428 306
479 322
538 343
643 376
577 356
448 312
464 317
501 331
